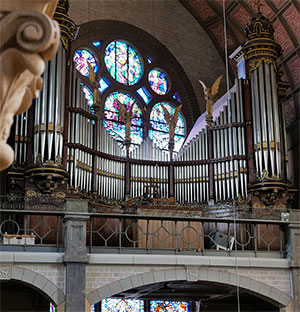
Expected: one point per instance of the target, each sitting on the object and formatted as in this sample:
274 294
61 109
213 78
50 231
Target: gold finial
259 5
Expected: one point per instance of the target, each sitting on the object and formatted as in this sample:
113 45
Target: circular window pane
160 130
81 57
113 120
123 62
158 81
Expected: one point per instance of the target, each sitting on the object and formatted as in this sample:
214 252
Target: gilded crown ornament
68 28
260 45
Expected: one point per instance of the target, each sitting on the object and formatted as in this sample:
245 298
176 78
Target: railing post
171 181
127 179
75 257
211 165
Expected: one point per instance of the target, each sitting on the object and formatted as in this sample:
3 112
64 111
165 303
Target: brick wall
171 24
101 275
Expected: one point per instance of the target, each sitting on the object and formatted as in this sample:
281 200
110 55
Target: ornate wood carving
28 37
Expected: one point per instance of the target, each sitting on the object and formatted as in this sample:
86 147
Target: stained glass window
169 306
122 305
144 94
177 97
123 62
81 57
103 85
97 43
158 81
88 94
52 308
160 130
113 120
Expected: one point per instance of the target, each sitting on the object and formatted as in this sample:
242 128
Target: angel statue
209 94
96 92
171 121
127 116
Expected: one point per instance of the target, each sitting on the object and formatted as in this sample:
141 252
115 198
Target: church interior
157 167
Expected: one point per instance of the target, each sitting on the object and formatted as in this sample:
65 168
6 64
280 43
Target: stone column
293 254
76 257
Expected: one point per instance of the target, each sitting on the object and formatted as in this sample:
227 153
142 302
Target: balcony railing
215 231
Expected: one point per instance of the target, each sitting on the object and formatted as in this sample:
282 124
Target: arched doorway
18 296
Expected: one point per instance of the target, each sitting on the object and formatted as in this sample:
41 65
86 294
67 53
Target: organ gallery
124 152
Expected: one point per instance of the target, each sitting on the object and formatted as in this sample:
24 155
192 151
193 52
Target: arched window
133 75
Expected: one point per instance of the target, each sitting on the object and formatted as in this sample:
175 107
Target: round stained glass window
113 120
123 62
81 57
160 130
158 81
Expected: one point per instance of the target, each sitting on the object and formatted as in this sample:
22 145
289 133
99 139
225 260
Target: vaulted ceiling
285 15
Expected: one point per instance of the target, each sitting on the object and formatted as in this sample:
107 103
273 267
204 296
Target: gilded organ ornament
171 121
210 94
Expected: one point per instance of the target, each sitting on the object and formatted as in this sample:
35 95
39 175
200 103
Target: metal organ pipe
276 121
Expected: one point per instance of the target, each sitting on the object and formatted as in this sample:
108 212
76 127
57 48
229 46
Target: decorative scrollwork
27 39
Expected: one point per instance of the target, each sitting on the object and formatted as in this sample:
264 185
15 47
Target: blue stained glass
113 121
81 57
158 81
122 305
160 130
177 97
103 85
149 60
168 306
92 308
52 308
144 95
97 43
123 62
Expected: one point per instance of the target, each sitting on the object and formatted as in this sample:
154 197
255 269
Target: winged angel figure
127 116
210 94
171 121
96 92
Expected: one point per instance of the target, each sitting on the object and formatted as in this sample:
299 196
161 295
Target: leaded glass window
159 132
88 94
158 81
168 306
113 120
81 57
123 62
126 72
122 305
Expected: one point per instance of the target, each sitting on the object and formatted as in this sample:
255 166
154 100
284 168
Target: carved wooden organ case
62 149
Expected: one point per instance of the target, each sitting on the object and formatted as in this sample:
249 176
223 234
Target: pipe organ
49 111
241 155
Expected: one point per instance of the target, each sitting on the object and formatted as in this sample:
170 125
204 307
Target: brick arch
34 279
259 289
